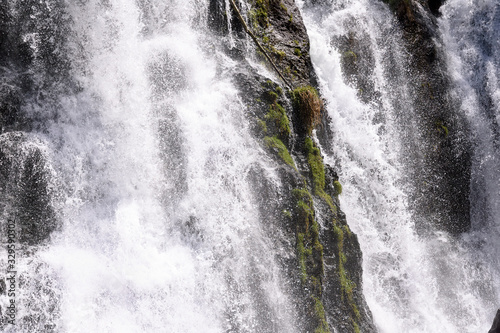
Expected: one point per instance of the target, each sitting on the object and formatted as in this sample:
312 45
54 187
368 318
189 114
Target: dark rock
330 177
358 62
439 155
25 188
434 6
495 328
217 16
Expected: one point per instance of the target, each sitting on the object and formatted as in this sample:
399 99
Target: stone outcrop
323 261
25 187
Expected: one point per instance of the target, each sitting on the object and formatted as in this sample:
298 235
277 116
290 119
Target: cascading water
134 155
413 282
150 158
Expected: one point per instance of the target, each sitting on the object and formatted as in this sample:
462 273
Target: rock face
25 194
495 328
441 157
434 132
324 259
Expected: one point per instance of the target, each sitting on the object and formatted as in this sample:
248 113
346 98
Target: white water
413 283
160 230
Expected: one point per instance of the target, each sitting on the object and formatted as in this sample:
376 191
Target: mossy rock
259 14
275 144
338 187
316 165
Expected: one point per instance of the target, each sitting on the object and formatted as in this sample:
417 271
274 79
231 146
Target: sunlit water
160 231
413 283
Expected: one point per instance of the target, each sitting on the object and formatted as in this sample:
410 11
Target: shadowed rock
25 188
495 328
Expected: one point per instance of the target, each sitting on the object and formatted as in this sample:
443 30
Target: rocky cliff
438 156
325 265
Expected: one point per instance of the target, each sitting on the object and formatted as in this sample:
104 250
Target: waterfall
413 282
135 195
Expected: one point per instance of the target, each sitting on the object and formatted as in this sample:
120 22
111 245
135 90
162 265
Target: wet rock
301 216
26 192
358 62
439 157
217 16
495 328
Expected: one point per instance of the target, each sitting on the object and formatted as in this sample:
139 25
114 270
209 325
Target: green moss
276 145
310 256
302 254
271 97
261 9
277 119
441 128
317 168
356 327
307 225
275 126
278 53
262 126
299 90
346 284
347 231
350 55
319 314
269 84
279 91
301 194
283 6
287 214
339 234
306 211
315 162
297 52
355 310
338 187
254 19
